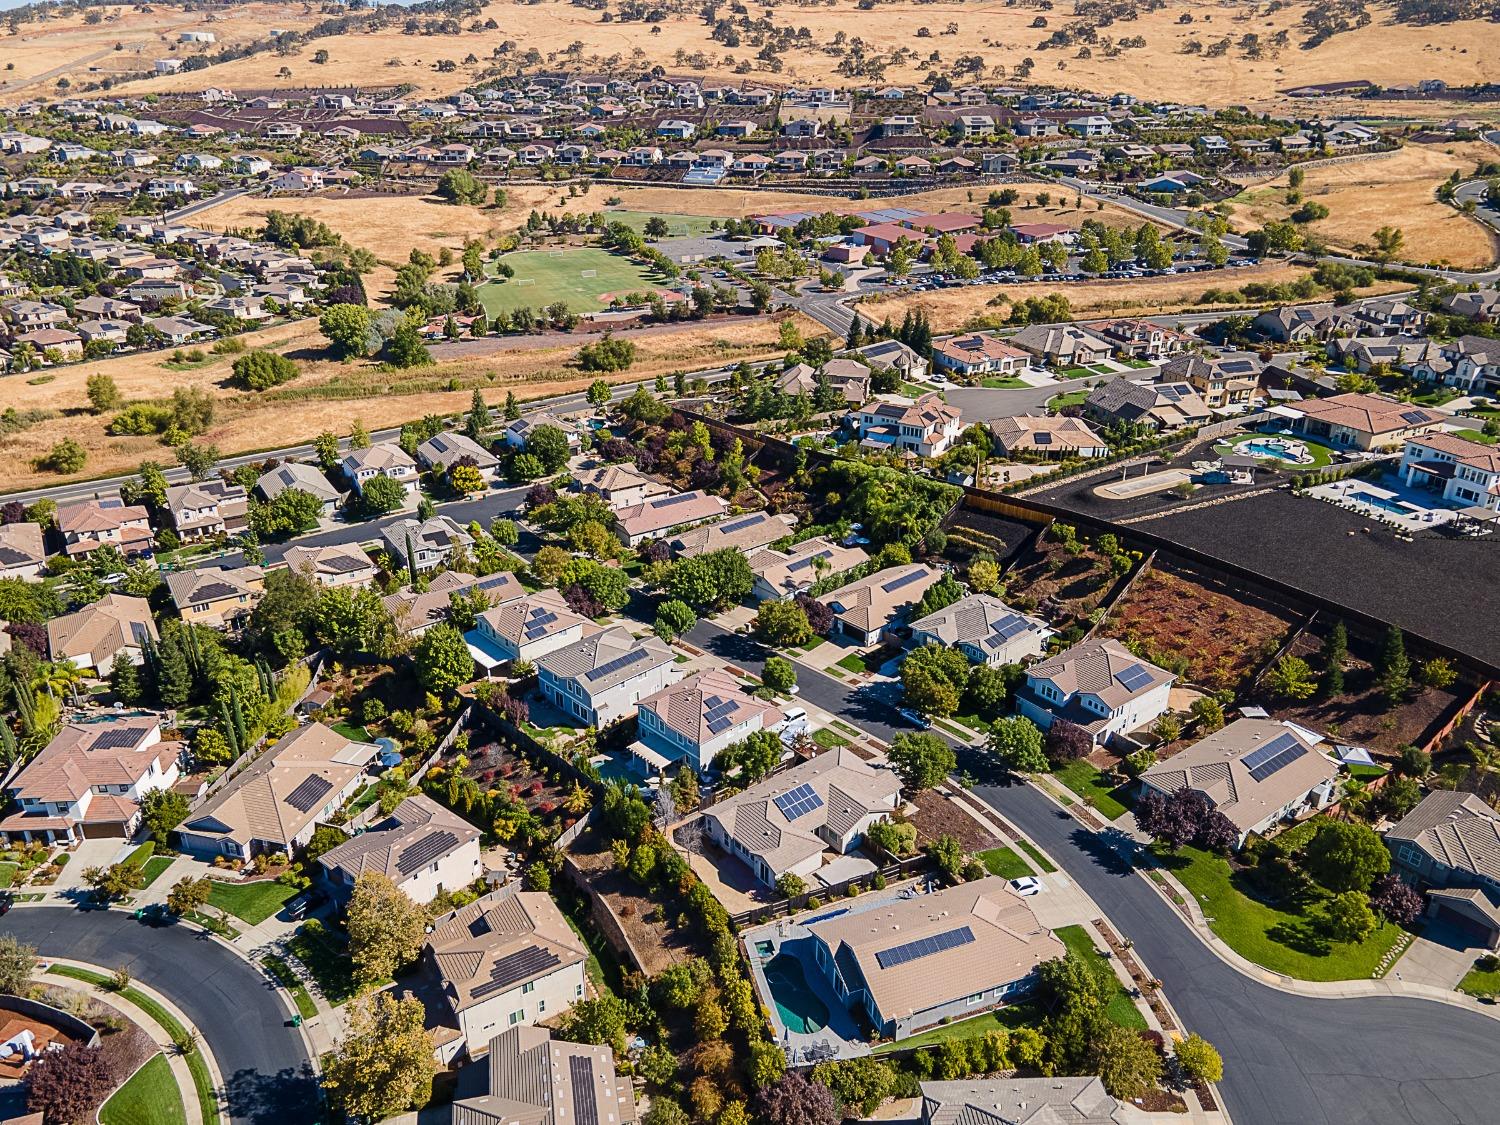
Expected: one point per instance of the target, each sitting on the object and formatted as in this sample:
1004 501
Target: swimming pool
1276 449
1385 504
797 1004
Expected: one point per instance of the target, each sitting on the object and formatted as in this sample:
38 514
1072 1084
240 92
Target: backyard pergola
1478 520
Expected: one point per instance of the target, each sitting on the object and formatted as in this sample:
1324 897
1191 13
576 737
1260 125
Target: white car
1026 886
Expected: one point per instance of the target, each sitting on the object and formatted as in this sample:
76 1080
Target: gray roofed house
1162 406
895 355
303 478
1449 845
785 574
524 628
1482 305
984 629
1064 345
530 1078
431 543
1021 1101
517 432
207 508
784 824
1223 382
421 847
743 533
442 450
1056 435
342 564
416 612
1098 684
650 519
383 459
696 718
599 679
1257 772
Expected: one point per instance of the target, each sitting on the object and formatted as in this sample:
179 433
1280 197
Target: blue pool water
1274 452
1385 504
796 1003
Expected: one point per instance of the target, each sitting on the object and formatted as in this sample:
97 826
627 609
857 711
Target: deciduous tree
386 928
923 760
384 1065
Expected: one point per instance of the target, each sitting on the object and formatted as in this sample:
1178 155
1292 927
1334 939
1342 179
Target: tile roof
608 479
976 347
102 629
439 534
981 620
98 515
587 659
84 755
684 706
294 474
1094 668
1369 414
21 544
929 412
741 533
483 943
666 512
530 1078
1056 433
525 620
1020 1101
335 560
1485 458
419 832
416 611
212 584
797 568
380 456
873 601
441 450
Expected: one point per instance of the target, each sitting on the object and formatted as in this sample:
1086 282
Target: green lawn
1287 941
954 729
1436 396
974 723
678 226
1001 1019
327 959
279 969
1322 454
1121 1009
854 662
8 874
142 853
1366 773
1072 398
150 1097
1005 863
351 731
579 277
1477 435
1077 372
1088 783
828 740
1479 982
1006 383
250 902
1131 361
154 867
1043 864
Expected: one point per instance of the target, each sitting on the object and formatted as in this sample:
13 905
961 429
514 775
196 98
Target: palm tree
58 677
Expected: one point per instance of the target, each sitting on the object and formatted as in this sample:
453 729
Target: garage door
1467 926
104 830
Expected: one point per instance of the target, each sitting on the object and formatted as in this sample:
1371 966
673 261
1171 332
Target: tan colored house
654 518
207 508
114 627
505 960
925 960
620 486
693 720
863 610
384 459
441 451
739 533
88 782
984 629
1257 772
293 475
421 847
531 1078
1227 382
416 612
344 564
1099 685
1053 436
274 803
219 597
1022 1101
525 628
785 574
784 824
1360 421
90 524
22 554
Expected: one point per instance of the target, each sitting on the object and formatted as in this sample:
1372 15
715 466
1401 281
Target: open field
1396 190
952 309
1001 35
581 277
330 395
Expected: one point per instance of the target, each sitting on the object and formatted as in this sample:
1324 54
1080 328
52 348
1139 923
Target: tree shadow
287 1097
1303 937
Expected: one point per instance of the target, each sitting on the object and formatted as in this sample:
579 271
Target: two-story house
1225 383
619 486
293 475
652 519
91 524
421 847
984 629
424 545
339 564
696 718
926 426
1141 339
219 597
864 609
524 628
781 575
1470 363
1449 847
1464 472
597 680
116 627
979 353
441 452
383 459
204 509
1099 685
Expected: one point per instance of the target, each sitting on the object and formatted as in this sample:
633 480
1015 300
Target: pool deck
1431 510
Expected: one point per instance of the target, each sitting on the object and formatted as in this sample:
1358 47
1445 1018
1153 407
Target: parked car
1026 886
915 718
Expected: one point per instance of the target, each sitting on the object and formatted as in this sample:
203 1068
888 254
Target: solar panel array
1134 678
798 802
635 656
718 713
424 851
117 738
536 626
803 564
738 525
306 796
345 564
924 947
211 590
585 1098
516 967
668 501
905 580
1414 417
1007 627
1171 391
1274 756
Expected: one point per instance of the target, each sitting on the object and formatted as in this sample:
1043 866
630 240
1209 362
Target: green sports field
578 277
678 226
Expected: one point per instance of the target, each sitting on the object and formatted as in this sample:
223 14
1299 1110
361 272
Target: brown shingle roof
875 599
102 629
1368 413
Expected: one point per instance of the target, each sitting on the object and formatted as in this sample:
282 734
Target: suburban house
343 564
1257 772
1064 345
1141 339
421 847
1161 406
929 959
598 679
22 552
1098 684
1360 421
303 478
424 545
926 426
785 574
984 629
383 459
524 628
1482 305
88 781
694 719
417 611
219 597
1032 1101
865 608
896 356
1053 436
204 509
1449 846
439 452
742 533
1470 363
979 353
1463 471
619 486
652 519
507 959
115 627
90 524
785 824
518 431
273 804
1224 382
531 1077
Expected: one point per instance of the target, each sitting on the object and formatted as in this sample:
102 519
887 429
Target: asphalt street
267 1072
1288 1059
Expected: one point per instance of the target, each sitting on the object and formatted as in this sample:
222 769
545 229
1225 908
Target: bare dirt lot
1398 190
1001 35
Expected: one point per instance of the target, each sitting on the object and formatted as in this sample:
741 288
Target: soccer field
678 226
578 277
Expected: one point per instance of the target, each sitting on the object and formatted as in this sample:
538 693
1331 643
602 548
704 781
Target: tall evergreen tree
479 417
1394 667
512 407
226 724
1335 649
174 679
238 712
856 333
411 560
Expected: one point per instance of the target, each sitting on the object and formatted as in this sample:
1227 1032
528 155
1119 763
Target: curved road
1288 1059
268 1076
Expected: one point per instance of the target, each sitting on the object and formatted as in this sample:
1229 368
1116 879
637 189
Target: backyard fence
609 926
901 869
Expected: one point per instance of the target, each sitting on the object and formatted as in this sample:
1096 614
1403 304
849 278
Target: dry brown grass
950 309
1002 34
246 422
1396 190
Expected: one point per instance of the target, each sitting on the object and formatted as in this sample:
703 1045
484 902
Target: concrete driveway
1440 957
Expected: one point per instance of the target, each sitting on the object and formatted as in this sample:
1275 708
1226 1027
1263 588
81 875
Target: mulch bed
1061 587
936 816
